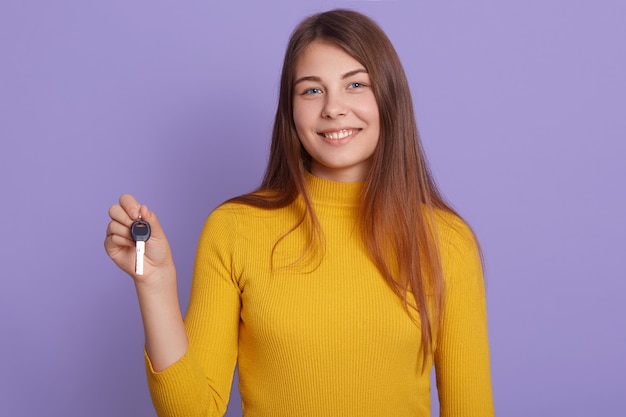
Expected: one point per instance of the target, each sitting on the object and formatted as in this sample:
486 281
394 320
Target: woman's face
335 112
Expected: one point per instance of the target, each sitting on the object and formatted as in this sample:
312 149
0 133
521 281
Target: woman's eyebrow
343 77
353 72
308 78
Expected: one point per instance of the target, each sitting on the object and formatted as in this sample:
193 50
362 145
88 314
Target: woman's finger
130 206
119 229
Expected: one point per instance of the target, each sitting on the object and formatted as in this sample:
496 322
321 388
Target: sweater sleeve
462 354
199 383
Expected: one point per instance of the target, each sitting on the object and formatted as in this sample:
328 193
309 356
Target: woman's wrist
159 281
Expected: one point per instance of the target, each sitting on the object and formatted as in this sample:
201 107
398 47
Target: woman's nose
334 106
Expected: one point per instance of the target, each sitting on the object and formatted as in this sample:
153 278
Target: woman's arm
199 383
462 355
187 375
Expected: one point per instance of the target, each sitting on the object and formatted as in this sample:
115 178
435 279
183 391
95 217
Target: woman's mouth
339 134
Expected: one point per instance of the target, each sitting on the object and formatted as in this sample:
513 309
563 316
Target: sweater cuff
176 387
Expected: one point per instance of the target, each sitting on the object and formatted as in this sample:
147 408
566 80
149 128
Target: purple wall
521 107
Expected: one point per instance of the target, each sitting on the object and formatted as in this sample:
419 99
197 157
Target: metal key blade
140 250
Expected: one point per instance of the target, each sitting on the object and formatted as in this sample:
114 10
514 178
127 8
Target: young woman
337 284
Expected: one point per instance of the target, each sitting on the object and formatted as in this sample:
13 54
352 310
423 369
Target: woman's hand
120 246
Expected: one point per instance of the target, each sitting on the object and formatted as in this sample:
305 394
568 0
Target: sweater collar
332 192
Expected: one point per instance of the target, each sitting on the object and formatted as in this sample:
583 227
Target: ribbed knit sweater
326 336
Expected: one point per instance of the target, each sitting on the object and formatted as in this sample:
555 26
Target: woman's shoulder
244 214
230 222
232 212
454 232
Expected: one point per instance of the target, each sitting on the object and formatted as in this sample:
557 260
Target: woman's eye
356 85
312 91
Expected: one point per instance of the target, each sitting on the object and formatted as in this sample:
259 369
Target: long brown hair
397 204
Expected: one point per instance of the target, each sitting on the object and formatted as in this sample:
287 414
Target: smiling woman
335 113
336 285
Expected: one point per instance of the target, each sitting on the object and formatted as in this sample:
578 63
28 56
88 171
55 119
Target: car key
140 232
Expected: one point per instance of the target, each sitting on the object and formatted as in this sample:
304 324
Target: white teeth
339 134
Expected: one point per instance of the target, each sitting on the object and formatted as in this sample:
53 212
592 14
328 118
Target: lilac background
521 107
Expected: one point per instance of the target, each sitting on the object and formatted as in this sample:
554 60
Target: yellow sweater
331 341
